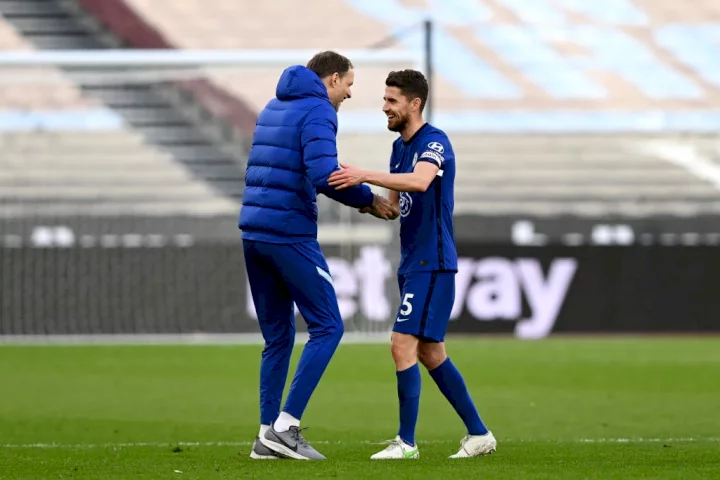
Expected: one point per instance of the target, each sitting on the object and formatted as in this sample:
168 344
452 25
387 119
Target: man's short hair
326 63
411 83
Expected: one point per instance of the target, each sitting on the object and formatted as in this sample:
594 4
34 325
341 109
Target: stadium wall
529 292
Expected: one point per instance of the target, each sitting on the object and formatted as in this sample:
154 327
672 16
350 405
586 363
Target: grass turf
561 408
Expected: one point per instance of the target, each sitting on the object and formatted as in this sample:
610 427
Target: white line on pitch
643 440
301 338
129 445
327 442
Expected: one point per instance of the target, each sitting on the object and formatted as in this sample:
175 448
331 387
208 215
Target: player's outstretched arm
418 180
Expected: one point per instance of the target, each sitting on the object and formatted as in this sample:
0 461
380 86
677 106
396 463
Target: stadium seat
538 96
66 154
504 69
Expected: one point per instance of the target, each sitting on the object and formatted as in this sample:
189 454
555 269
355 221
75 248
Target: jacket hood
300 82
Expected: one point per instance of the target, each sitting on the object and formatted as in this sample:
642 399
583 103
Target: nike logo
400 320
291 443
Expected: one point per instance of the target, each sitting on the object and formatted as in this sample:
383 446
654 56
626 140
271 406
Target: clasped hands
381 208
350 176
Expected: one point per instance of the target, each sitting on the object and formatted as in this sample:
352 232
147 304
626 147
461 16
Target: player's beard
398 123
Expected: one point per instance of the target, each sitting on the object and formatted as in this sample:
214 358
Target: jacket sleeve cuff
359 196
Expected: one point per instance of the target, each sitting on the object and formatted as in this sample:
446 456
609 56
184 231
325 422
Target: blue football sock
452 385
409 383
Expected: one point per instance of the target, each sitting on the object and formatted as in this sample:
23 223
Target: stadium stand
544 124
61 95
72 150
496 76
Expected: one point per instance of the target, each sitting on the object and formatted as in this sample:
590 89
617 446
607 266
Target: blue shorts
426 301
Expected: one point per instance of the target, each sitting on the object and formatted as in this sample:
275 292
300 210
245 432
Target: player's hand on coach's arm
348 176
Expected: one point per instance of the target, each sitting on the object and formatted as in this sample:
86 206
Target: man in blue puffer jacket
293 153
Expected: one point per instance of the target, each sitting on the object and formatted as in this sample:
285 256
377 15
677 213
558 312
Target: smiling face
339 88
406 92
336 73
397 108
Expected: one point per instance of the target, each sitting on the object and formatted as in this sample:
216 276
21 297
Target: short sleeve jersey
426 218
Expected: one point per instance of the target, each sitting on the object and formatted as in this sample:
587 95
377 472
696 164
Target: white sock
284 422
263 429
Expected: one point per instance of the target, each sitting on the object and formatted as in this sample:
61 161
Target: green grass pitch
576 408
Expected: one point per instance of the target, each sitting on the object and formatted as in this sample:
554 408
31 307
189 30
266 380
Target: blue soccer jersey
426 218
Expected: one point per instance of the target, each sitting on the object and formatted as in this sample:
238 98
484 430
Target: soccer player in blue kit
421 181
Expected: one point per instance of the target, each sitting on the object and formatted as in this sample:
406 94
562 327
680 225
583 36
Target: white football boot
397 450
476 446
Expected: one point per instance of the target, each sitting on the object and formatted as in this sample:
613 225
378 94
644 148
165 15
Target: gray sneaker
261 452
290 444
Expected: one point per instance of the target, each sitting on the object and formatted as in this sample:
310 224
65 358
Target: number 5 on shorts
406 305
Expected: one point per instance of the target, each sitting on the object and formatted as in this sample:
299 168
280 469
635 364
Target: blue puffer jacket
292 155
